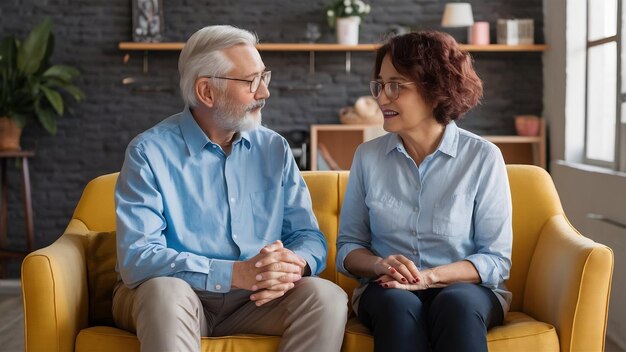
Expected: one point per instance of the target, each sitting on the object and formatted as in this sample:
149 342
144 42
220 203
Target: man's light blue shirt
186 209
455 206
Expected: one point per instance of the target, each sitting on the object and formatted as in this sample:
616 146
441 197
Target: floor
612 346
12 313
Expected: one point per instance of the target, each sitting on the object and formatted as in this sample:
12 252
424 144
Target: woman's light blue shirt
455 206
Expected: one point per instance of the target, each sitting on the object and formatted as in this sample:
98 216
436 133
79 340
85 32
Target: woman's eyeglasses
392 89
254 82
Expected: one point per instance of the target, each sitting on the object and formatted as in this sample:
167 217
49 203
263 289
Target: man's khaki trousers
168 315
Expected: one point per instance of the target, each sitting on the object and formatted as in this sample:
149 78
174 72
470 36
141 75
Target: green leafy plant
30 85
346 8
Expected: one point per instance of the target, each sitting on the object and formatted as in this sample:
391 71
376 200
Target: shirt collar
196 139
450 142
393 142
448 145
241 137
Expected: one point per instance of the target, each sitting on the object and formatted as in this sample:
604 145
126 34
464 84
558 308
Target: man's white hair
203 56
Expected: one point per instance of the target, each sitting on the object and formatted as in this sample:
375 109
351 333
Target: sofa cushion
106 339
357 337
100 250
519 333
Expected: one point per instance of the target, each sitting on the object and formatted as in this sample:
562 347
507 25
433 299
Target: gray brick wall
91 142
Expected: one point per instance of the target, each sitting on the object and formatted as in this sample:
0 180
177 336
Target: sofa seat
107 339
519 333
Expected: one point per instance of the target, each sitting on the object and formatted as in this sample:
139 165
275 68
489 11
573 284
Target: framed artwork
147 20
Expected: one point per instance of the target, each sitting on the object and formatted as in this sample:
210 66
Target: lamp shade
458 14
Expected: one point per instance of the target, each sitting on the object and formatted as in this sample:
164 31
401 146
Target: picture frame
148 21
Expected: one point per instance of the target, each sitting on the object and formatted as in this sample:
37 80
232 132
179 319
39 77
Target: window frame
620 138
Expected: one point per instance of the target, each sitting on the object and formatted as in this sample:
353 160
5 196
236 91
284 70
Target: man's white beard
230 117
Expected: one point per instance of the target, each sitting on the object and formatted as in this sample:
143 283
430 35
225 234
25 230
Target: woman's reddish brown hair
442 72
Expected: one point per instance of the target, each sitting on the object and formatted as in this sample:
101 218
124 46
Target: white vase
348 30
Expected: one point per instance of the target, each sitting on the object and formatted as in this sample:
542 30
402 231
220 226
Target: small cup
312 33
479 33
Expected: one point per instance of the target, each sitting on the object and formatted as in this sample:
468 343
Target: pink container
479 33
527 125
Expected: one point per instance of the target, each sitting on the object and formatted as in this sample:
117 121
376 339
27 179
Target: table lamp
457 14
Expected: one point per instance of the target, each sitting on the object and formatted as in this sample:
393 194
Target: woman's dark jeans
455 318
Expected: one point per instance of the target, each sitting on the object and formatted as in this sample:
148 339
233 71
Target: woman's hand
437 277
387 281
398 268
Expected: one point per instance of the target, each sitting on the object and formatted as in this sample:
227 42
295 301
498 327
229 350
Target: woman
426 218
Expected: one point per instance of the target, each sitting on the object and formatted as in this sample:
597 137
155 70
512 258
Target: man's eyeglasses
392 89
254 82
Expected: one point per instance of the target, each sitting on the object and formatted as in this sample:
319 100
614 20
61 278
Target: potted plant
346 16
30 86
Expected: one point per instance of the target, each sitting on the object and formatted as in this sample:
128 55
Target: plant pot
527 125
10 134
348 30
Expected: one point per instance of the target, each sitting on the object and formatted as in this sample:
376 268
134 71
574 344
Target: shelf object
457 15
318 47
341 141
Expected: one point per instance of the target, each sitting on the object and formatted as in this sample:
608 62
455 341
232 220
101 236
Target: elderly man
215 231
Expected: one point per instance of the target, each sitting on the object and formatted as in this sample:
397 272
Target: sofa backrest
96 207
327 189
535 201
324 189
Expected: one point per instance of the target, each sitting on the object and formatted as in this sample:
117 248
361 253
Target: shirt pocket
267 213
452 216
382 213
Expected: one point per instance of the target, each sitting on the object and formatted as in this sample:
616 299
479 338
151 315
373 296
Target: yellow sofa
560 280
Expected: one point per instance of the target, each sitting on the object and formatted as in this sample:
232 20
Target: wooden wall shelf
312 48
336 145
175 46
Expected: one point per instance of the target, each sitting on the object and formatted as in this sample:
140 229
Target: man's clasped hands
271 273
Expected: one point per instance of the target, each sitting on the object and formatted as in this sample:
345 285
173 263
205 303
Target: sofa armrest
568 285
54 288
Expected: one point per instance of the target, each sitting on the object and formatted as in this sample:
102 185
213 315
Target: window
605 103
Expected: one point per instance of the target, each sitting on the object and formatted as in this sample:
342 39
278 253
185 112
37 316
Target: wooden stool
22 156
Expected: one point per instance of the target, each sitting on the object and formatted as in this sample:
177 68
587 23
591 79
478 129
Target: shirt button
172 265
218 287
234 236
232 199
414 252
214 146
414 232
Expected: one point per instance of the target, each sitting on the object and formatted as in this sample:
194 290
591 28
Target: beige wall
583 190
